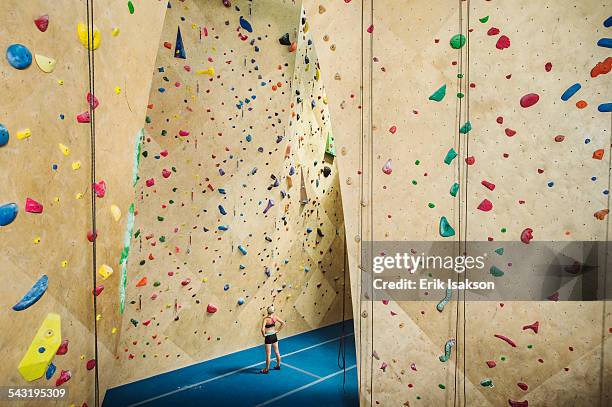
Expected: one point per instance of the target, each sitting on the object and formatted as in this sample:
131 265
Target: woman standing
269 331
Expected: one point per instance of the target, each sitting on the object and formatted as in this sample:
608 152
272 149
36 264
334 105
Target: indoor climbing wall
238 204
536 168
47 338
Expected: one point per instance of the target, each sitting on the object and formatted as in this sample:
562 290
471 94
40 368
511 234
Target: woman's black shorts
270 339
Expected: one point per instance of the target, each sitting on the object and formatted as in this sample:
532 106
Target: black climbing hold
284 40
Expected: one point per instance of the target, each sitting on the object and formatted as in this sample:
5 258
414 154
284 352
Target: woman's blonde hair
271 310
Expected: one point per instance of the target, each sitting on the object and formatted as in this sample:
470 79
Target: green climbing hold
131 7
457 41
414 182
442 386
330 147
460 95
431 205
417 162
459 75
484 19
466 128
503 230
454 189
439 94
499 251
446 230
450 156
495 272
486 383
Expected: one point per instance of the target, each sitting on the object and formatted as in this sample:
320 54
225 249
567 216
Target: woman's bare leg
278 356
268 352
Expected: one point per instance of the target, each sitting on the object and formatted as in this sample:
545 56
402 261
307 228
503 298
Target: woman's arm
282 324
263 328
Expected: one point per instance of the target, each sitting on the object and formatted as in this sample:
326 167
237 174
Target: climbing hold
571 91
85 36
116 212
526 235
242 250
330 147
100 188
32 206
222 210
18 56
485 205
491 364
90 364
240 301
447 350
130 7
50 371
4 135
493 31
454 189
598 154
179 49
64 376
211 308
503 42
518 403
466 128
446 229
284 40
268 206
506 339
33 295
496 272
486 383
523 386
488 185
535 327
438 95
484 19
34 363
387 167
142 282
210 71
83 117
46 64
98 290
601 214
105 271
450 156
602 68
63 348
605 108
8 213
42 22
440 306
529 100
24 134
246 25
457 41
605 42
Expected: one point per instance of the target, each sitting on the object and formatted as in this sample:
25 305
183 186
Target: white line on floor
140 403
301 370
329 376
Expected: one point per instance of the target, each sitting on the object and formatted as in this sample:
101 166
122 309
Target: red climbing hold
98 290
529 100
164 153
63 348
518 403
488 185
506 339
499 120
470 160
183 133
548 67
510 132
91 363
491 364
523 386
526 235
150 182
598 154
493 31
185 282
100 188
83 117
166 173
392 129
534 327
63 378
211 308
371 29
32 206
91 236
485 205
503 42
92 100
42 23
559 138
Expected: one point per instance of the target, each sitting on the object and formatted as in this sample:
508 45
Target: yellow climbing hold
78 195
56 199
64 149
210 71
76 165
45 344
116 212
24 134
115 32
64 263
105 271
98 317
318 74
84 34
117 90
36 240
60 82
46 64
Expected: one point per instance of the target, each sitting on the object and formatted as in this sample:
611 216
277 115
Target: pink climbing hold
534 327
413 366
518 403
98 290
166 173
83 117
63 378
503 42
392 129
150 182
91 363
63 348
491 364
91 236
488 185
523 386
506 339
526 235
493 31
371 29
32 206
211 308
42 22
510 132
164 153
383 366
93 101
183 133
529 100
485 205
100 188
387 169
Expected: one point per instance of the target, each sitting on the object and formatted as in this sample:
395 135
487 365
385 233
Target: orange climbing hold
601 215
602 68
581 104
598 154
142 282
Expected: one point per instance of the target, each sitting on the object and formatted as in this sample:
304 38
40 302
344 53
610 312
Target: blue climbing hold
50 370
240 301
608 22
8 213
179 49
18 56
33 295
222 210
4 135
571 91
246 25
604 108
446 230
605 42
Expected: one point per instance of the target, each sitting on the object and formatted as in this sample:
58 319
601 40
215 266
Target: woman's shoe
264 371
277 367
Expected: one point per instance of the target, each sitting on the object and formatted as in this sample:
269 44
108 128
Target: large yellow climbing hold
42 349
116 212
318 74
64 149
210 71
46 64
84 34
105 271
